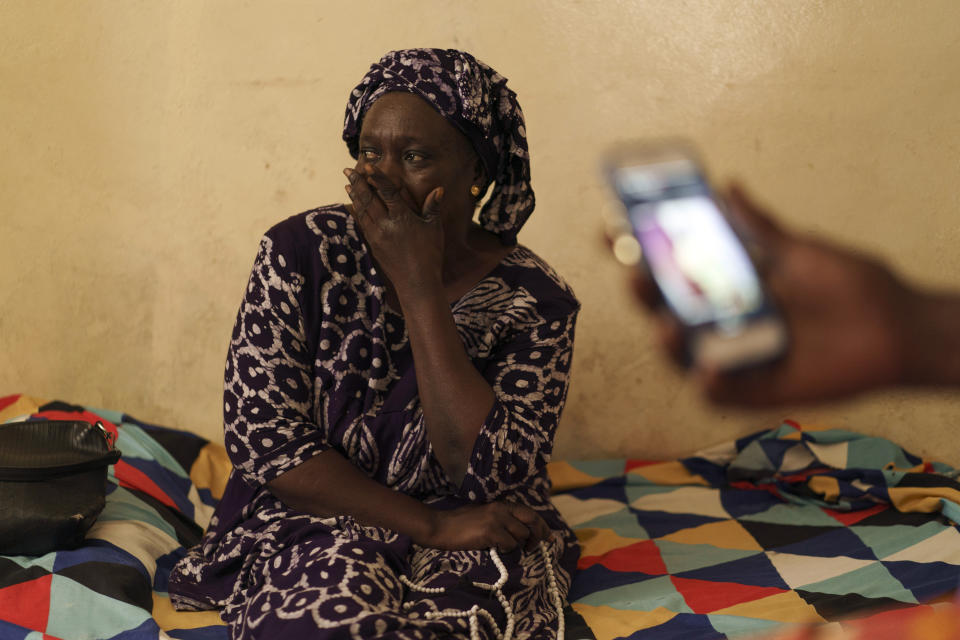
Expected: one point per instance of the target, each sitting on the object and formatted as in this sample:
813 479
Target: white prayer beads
474 613
419 587
553 589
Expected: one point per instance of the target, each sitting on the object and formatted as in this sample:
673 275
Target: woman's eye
413 156
369 154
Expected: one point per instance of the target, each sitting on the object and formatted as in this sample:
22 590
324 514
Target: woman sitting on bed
393 386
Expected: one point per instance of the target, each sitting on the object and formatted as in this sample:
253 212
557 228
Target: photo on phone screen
701 267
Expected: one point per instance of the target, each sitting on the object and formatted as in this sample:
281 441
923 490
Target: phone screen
697 260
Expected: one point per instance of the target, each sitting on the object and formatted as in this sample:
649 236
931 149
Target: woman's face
417 149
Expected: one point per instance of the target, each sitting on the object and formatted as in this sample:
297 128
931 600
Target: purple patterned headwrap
475 99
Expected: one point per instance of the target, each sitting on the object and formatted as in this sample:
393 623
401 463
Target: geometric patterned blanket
789 525
160 496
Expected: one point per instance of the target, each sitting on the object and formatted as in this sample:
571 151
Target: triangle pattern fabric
932 579
639 491
150 629
67 614
725 534
639 557
12 572
599 469
741 502
835 542
671 549
670 473
96 551
848 518
737 626
11 631
170 619
755 570
942 547
754 559
596 542
11 565
707 596
871 581
624 523
580 512
604 491
771 536
660 523
830 606
790 515
16 405
630 465
103 589
679 558
611 622
684 625
886 517
701 501
598 578
888 540
27 604
646 595
798 570
786 606
121 583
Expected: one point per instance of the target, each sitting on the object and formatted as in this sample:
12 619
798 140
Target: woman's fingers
535 525
431 206
384 187
539 532
397 198
517 530
502 525
504 541
365 202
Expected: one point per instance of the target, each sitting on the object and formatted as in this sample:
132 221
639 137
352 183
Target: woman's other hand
502 525
406 241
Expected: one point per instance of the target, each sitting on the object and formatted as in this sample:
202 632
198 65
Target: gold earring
475 191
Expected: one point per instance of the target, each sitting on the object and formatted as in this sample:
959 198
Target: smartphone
695 256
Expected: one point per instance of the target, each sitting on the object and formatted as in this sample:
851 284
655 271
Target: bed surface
161 495
789 525
786 526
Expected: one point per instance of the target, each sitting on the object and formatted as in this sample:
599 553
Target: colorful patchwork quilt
160 496
790 525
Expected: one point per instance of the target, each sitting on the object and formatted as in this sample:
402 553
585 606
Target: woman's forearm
329 485
455 397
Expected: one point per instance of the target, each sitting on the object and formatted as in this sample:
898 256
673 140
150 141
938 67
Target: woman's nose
390 166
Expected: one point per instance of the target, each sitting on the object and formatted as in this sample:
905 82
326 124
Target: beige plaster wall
147 145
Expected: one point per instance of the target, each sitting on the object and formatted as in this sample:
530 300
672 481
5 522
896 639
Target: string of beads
474 613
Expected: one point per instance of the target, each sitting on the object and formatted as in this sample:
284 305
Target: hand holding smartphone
694 255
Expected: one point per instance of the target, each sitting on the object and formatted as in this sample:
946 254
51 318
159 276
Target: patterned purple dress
318 360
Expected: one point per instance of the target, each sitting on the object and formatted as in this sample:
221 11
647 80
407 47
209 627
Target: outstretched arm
854 325
932 345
